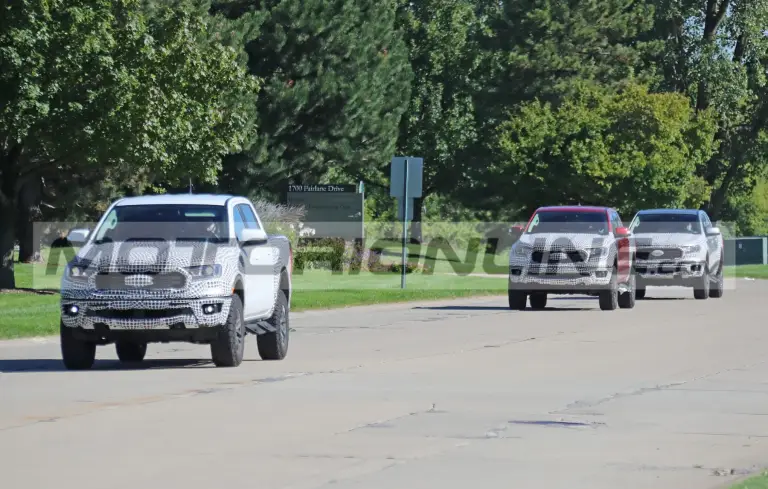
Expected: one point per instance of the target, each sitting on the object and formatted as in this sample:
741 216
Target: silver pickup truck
678 247
167 268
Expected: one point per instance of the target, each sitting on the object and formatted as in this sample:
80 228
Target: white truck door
261 272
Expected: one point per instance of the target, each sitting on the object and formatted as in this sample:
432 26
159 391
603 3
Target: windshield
569 222
666 223
166 222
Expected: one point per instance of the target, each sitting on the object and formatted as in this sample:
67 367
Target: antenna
190 185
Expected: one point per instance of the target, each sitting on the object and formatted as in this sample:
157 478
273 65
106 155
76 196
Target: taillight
290 259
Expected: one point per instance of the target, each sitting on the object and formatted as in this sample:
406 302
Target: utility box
752 250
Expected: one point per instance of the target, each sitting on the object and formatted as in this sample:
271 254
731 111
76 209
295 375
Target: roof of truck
669 211
574 208
177 199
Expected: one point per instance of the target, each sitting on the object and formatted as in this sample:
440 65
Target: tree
443 39
547 50
97 87
716 53
630 150
337 81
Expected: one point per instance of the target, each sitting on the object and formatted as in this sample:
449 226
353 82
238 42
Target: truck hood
645 240
546 241
155 256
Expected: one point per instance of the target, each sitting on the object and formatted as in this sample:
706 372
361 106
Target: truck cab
167 268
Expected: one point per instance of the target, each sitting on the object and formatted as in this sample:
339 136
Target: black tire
75 353
517 300
609 297
228 348
701 286
717 289
538 301
273 345
129 352
640 293
627 299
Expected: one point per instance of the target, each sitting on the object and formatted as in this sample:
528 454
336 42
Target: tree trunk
7 243
29 199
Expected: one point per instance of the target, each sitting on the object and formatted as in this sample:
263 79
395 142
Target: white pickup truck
678 247
177 268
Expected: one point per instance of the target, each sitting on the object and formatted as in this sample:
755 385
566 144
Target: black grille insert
666 254
139 313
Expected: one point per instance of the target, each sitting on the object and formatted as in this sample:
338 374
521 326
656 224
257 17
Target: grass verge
34 310
757 482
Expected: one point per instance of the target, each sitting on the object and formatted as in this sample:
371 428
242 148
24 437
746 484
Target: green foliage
444 45
88 82
630 150
337 82
99 95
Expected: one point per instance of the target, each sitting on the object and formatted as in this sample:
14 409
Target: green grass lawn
757 482
34 311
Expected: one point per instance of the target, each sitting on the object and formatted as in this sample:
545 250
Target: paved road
442 395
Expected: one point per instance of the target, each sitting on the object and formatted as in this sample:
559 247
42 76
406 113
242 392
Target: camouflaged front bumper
126 314
562 277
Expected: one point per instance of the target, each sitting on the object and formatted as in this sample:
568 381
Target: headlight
521 250
80 272
595 252
205 271
691 248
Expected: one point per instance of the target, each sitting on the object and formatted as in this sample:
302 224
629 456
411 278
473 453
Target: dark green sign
333 211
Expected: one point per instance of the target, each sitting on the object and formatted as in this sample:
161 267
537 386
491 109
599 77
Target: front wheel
229 346
76 354
538 301
609 297
273 345
627 299
718 285
701 286
517 299
129 352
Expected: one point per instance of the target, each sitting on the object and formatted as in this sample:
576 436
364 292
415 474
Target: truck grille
568 256
132 281
139 313
666 254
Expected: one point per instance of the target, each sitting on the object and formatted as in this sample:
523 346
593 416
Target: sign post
406 184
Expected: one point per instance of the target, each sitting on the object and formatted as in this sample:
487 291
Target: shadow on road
500 308
464 308
32 365
646 298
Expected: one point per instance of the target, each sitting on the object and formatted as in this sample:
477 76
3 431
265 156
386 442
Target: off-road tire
129 352
538 301
75 353
517 299
273 345
229 346
701 286
609 296
717 288
627 299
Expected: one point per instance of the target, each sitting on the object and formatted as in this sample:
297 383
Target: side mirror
713 231
253 237
621 232
78 236
516 230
